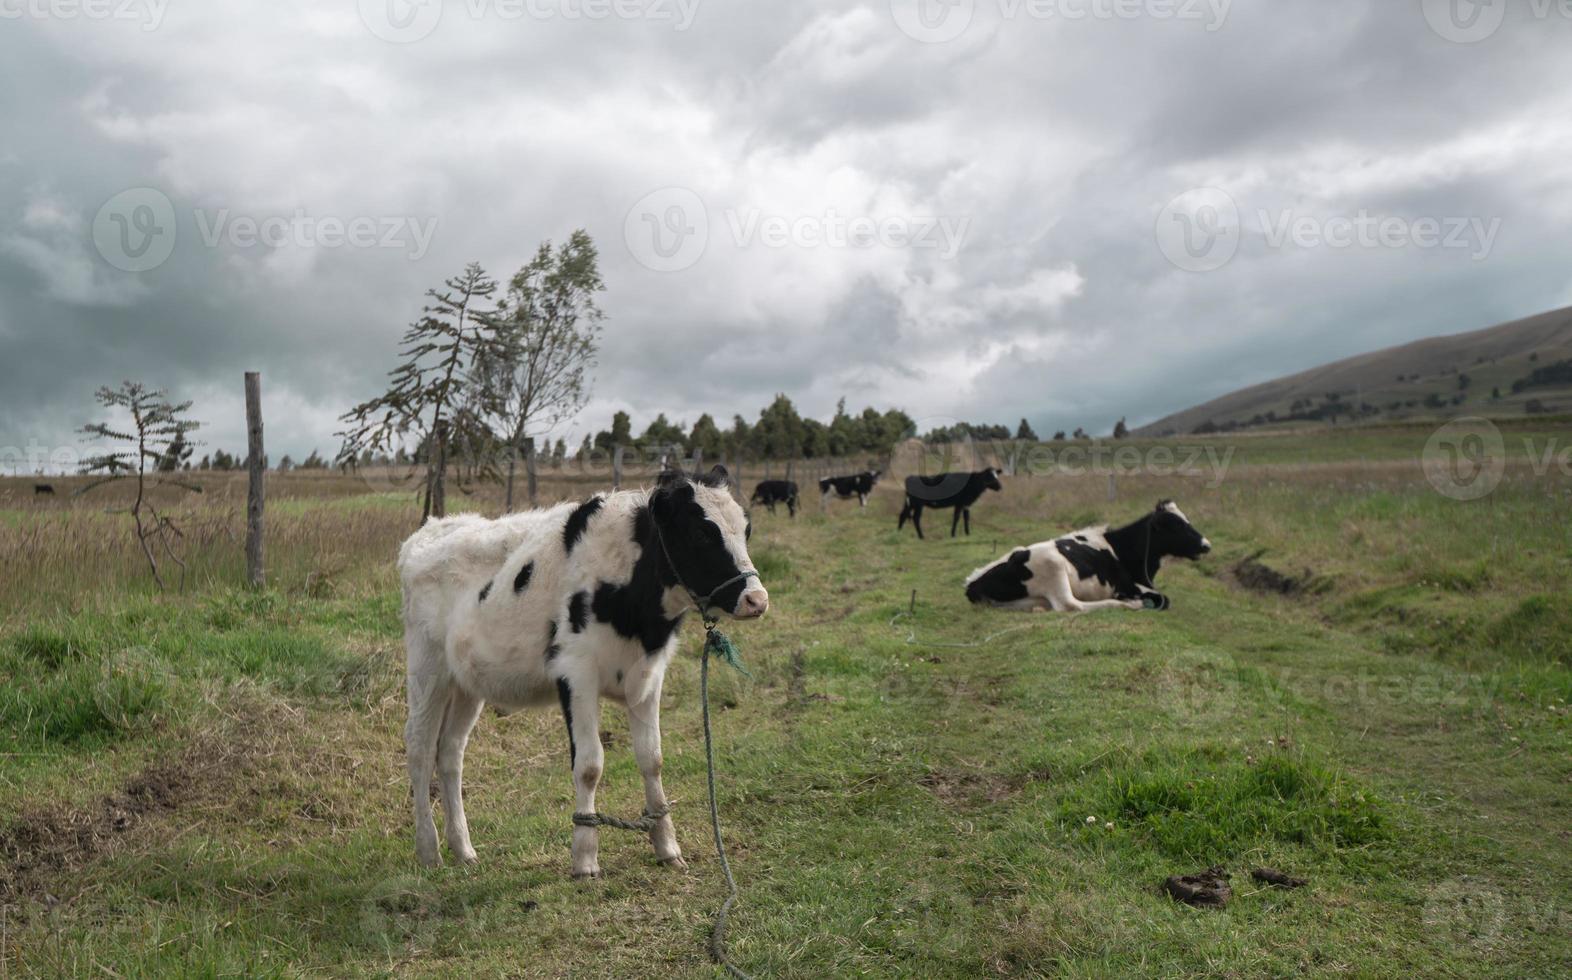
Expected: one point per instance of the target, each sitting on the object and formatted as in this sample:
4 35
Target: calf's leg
463 710
955 521
966 517
428 687
1059 594
644 729
581 711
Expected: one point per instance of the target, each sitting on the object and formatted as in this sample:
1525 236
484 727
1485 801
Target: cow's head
991 478
706 537
1173 534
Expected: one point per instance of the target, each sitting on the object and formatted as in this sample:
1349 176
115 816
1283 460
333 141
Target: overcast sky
1071 210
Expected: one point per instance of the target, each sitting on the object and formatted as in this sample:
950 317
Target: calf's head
1173 534
705 534
991 479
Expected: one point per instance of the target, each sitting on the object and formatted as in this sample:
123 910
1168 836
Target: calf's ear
718 476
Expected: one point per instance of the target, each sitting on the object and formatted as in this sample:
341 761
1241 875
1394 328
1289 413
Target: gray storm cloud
981 218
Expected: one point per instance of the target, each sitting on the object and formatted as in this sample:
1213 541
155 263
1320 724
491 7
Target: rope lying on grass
718 934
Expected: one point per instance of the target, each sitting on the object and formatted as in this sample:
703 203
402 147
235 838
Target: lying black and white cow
1095 568
569 604
772 492
858 485
957 490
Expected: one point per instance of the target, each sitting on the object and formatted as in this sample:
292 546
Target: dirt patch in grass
1252 574
968 787
37 848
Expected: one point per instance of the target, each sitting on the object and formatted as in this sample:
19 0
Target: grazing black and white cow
1095 568
858 485
43 489
568 604
957 490
772 492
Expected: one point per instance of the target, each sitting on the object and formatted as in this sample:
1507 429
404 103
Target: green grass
1401 738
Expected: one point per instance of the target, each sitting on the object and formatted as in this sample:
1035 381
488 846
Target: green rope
718 643
646 823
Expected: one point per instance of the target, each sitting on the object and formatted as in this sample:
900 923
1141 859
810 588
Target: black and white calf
772 492
857 485
957 490
569 604
1095 568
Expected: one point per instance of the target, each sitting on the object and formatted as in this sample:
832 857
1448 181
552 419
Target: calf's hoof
675 862
586 875
466 855
429 857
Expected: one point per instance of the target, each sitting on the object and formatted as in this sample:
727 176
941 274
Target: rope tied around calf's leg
646 822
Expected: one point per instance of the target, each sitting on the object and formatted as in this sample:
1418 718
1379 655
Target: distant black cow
1094 568
772 492
43 488
947 490
858 485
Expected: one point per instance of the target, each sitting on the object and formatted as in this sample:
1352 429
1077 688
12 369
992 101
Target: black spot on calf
1099 563
521 580
565 696
485 590
578 521
578 611
1004 582
635 614
552 649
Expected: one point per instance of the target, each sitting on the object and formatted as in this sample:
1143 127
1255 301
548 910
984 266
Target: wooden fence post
616 467
529 470
255 574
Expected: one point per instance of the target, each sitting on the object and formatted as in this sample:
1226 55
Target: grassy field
211 783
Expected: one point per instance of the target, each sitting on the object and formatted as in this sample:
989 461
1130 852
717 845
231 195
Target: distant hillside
1516 368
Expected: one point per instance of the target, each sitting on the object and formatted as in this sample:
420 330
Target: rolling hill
1515 368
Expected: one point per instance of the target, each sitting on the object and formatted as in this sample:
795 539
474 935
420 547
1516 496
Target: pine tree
434 393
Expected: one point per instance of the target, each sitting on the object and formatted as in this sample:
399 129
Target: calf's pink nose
753 604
